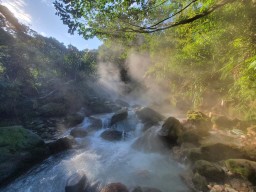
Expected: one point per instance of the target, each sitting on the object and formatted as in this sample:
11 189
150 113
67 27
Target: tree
115 17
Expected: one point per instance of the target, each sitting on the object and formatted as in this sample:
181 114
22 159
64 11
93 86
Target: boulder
200 182
200 121
53 110
150 141
61 144
211 171
171 130
76 182
242 167
115 187
74 119
223 122
20 149
119 116
78 132
95 124
145 189
215 152
112 135
149 116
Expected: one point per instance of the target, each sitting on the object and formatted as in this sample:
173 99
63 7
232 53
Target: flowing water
105 162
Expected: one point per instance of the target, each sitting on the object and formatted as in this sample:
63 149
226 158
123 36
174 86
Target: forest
172 80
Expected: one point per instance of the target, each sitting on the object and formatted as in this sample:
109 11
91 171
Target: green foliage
32 66
113 18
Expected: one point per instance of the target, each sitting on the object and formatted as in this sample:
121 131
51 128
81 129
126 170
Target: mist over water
105 162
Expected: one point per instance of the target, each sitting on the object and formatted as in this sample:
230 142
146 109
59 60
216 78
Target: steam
141 89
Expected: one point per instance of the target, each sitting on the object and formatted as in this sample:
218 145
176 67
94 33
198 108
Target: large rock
61 144
199 121
223 122
115 187
150 141
216 152
78 132
119 116
149 116
171 130
53 110
211 171
242 167
112 135
74 119
20 149
76 182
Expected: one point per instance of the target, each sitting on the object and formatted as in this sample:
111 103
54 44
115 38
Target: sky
40 16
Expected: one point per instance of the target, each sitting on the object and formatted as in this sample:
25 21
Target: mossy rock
17 138
243 168
201 121
200 182
211 171
196 116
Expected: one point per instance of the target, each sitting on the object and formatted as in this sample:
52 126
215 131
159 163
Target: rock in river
76 182
112 135
114 187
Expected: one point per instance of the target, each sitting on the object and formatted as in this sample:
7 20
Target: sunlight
18 9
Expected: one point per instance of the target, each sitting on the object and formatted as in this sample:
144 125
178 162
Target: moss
242 167
196 116
17 138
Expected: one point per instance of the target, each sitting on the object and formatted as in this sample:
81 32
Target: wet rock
150 141
112 135
53 110
145 189
61 144
78 132
149 116
122 103
119 116
76 182
74 119
95 124
211 171
115 187
171 130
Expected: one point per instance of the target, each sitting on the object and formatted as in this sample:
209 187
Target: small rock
112 135
61 144
76 182
115 187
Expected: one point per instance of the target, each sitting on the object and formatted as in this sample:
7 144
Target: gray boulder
149 116
119 116
171 130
